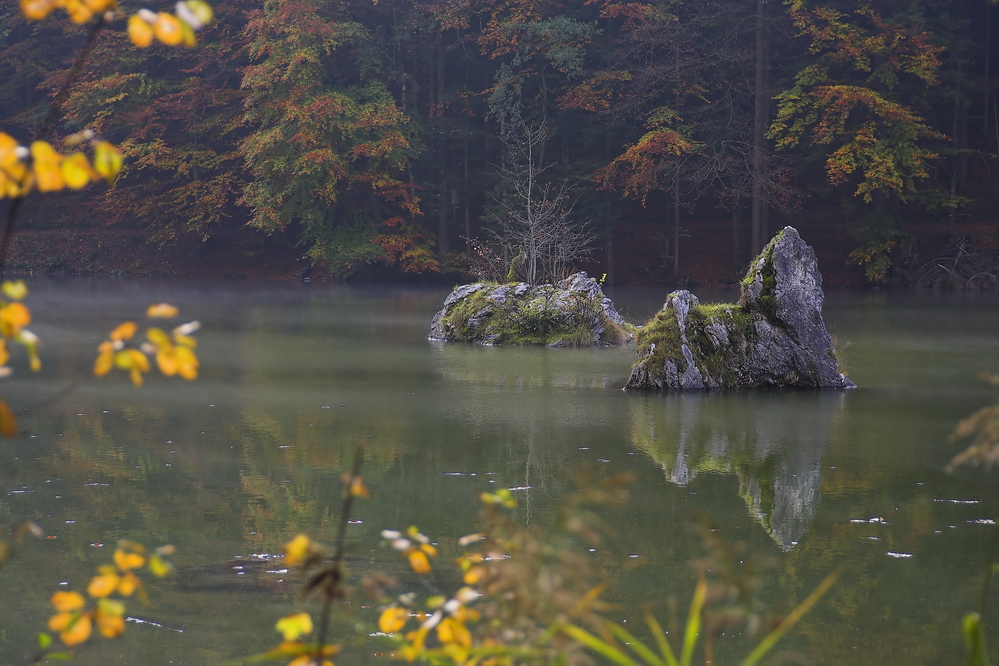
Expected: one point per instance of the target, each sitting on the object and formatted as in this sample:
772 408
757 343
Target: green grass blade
974 638
638 647
598 645
792 619
664 647
693 622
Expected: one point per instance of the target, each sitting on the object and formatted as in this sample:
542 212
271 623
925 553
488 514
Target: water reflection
773 442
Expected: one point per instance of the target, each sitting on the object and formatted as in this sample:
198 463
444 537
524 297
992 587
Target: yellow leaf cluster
146 26
449 620
74 622
42 167
80 11
174 351
414 546
14 316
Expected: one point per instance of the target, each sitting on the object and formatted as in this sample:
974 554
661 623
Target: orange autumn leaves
75 619
173 351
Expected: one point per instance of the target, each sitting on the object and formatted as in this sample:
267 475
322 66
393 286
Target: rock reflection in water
772 441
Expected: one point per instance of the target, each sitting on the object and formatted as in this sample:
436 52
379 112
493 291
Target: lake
294 377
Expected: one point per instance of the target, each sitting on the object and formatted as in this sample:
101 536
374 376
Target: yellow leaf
14 175
419 562
67 601
98 6
124 331
297 550
294 626
15 290
8 425
79 12
107 158
185 340
162 310
140 32
33 360
129 584
158 337
159 567
428 549
13 317
46 166
168 29
308 660
393 619
73 627
473 575
139 362
36 10
76 171
358 488
451 631
187 34
110 616
102 586
125 560
104 363
166 360
135 376
187 363
195 13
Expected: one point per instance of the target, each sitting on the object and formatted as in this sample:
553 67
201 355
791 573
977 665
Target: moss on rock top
571 313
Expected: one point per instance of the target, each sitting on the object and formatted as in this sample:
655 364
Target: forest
395 139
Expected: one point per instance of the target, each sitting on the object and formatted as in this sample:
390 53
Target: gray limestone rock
774 335
572 313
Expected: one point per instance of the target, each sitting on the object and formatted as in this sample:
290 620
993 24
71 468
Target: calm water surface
295 377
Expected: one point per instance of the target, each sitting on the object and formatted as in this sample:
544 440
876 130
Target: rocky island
774 336
570 313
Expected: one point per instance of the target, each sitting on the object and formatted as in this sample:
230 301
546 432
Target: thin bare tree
533 225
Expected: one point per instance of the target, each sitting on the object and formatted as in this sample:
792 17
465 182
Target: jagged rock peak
774 335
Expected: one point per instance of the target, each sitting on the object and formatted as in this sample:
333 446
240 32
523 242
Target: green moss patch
711 330
543 316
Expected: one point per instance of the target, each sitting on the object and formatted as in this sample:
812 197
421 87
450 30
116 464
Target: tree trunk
759 125
676 230
610 260
986 78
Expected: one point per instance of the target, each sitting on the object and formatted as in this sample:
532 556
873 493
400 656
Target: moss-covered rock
572 313
774 335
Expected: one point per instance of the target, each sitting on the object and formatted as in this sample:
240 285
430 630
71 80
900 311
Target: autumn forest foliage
371 137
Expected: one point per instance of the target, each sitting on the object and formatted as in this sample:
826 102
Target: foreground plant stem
331 577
